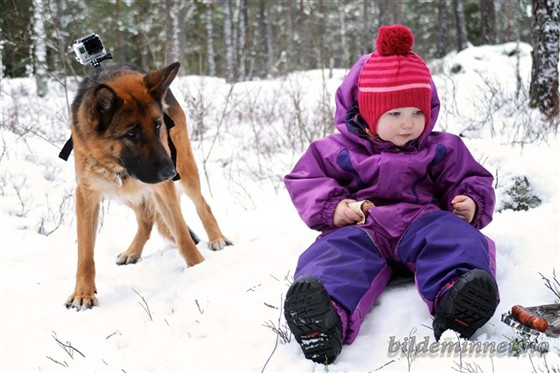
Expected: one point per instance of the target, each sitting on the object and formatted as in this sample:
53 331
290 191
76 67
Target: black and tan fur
121 150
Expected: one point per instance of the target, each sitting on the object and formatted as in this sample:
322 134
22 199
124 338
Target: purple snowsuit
410 229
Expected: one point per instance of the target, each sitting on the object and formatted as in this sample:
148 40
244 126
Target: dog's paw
81 301
127 258
219 243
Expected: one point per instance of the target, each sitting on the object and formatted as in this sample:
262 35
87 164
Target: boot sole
468 305
313 320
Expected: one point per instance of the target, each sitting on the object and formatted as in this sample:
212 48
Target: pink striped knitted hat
393 77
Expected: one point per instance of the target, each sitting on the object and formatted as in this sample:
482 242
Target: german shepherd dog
121 119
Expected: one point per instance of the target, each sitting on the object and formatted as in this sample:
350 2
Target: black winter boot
467 305
313 320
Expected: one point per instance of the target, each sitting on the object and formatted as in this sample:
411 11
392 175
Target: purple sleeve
461 174
313 185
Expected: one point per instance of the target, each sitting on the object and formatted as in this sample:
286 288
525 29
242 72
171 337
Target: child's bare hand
344 215
464 207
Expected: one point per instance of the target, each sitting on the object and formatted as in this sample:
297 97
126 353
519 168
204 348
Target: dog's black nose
166 173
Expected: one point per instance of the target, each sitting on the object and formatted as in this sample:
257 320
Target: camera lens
93 46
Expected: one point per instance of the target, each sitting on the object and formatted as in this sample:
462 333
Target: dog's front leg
169 208
87 216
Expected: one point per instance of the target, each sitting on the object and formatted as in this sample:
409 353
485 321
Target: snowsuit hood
351 125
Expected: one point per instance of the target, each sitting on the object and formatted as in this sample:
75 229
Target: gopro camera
90 49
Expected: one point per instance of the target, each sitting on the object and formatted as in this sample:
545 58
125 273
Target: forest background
245 39
257 88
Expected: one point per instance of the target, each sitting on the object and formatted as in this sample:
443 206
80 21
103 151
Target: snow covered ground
222 315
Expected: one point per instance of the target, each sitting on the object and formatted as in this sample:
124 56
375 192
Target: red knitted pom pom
395 39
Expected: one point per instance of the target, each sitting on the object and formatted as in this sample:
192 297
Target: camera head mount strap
81 50
96 63
66 149
169 123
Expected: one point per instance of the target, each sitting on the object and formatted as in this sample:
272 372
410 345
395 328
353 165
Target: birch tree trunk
260 42
543 91
177 12
320 40
171 31
461 25
210 36
290 49
343 32
1 54
59 62
301 46
442 28
228 38
143 18
270 50
119 50
242 39
398 11
366 28
383 12
39 48
487 22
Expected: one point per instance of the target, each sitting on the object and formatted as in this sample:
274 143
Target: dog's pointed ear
105 104
158 82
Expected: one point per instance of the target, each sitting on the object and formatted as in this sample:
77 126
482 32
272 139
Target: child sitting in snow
389 195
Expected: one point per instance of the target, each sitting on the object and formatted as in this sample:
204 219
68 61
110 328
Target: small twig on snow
279 334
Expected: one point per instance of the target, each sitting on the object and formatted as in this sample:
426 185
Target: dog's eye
133 133
158 127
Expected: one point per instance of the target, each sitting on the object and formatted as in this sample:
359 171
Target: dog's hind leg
145 220
216 240
190 179
166 233
190 182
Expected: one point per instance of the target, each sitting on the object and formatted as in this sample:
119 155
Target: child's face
401 125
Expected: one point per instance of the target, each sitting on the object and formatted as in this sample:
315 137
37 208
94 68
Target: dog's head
120 120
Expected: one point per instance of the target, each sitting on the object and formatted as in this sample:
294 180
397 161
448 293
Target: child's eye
419 113
394 113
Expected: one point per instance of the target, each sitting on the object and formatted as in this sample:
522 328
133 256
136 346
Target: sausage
360 208
366 205
521 314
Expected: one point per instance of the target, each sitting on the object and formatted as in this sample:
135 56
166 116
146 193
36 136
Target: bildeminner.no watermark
410 345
